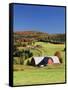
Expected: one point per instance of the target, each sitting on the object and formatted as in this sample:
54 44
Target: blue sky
39 18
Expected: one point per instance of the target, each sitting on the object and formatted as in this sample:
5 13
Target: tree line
44 37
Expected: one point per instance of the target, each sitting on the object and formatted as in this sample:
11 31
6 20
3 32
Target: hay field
27 75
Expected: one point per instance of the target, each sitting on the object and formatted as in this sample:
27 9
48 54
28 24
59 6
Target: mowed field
28 75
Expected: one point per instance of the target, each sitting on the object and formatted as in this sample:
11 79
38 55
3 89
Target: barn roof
55 59
38 60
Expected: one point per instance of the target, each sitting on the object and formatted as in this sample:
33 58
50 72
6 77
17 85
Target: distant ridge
29 32
39 36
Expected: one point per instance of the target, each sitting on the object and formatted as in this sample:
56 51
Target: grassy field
27 75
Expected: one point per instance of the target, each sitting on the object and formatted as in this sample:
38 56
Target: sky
39 18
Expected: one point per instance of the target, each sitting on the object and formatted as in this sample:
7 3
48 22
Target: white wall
4 44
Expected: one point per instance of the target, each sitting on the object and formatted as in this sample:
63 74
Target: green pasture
27 75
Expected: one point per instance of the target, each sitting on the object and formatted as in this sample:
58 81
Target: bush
24 45
58 54
16 61
28 63
64 49
60 60
18 69
15 70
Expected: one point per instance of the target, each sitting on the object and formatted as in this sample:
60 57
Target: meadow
29 75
